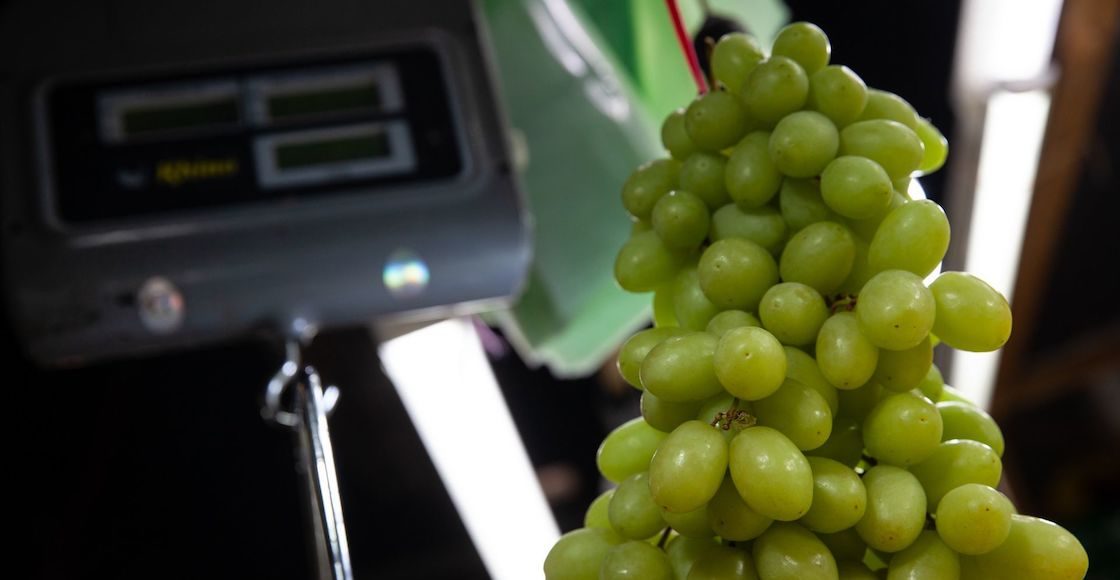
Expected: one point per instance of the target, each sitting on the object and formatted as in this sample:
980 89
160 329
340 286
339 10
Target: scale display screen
367 147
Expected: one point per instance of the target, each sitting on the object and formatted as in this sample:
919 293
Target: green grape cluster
793 423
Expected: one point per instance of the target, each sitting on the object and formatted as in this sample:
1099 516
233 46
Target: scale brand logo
175 172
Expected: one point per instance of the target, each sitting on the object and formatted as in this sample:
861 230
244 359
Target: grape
820 256
889 143
839 498
724 563
839 93
866 228
855 571
857 403
750 363
936 147
635 349
663 315
964 421
896 509
771 474
577 555
763 226
974 519
728 319
793 313
912 237
702 174
932 385
632 511
680 368
845 444
803 143
691 308
731 518
955 463
903 429
801 204
693 524
855 187
675 138
733 58
647 184
927 557
716 405
950 394
775 88
715 121
1034 550
633 560
971 315
896 310
684 551
681 220
805 43
845 356
788 551
665 416
751 177
799 412
903 370
645 262
845 545
735 273
628 449
886 105
688 467
803 369
596 515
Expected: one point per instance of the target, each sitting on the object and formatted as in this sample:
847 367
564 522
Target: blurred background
463 447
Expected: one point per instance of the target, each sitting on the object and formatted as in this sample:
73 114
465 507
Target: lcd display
296 155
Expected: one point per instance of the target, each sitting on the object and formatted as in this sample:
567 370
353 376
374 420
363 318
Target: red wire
686 47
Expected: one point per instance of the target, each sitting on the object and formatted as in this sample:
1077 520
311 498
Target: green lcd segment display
366 96
141 120
337 150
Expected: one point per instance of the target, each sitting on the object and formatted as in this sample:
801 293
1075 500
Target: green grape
577 555
638 226
861 271
820 256
955 463
866 228
763 226
803 369
716 405
691 307
731 518
886 105
688 467
736 273
715 121
644 263
674 136
803 143
665 416
902 186
845 545
775 88
632 511
793 313
935 144
974 519
724 563
950 394
702 174
632 560
693 524
855 187
903 370
896 509
663 315
788 551
971 315
635 349
750 363
801 204
845 444
681 220
851 570
596 515
912 237
751 177
932 384
927 557
895 310
628 449
728 319
857 403
680 368
845 356
839 498
771 474
734 57
965 421
903 429
647 184
837 92
1035 549
888 143
799 412
876 561
684 551
805 43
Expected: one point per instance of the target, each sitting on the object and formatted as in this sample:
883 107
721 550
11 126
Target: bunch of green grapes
793 425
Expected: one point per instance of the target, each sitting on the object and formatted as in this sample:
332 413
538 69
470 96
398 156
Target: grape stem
733 417
664 538
845 302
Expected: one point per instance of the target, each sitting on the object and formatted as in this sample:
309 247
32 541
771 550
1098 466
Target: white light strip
447 387
1013 130
1004 40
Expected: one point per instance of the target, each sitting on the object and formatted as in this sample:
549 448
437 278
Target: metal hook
285 376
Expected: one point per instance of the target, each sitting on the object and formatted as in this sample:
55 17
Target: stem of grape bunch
686 46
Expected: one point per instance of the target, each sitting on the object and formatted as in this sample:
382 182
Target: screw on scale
306 415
